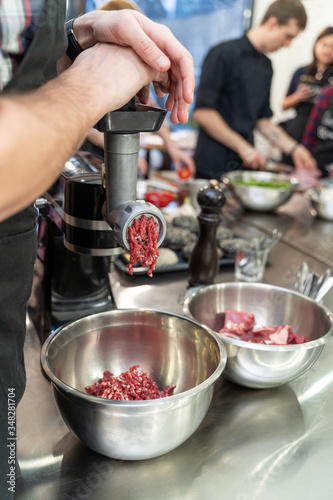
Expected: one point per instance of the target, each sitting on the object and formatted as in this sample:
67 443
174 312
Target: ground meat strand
142 238
128 386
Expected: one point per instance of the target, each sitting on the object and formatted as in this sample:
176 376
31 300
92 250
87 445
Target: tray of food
176 250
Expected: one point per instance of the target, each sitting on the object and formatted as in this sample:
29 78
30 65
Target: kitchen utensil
319 283
250 262
308 284
259 365
172 349
311 284
267 242
324 289
301 277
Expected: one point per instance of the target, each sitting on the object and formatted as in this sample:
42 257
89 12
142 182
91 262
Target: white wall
287 60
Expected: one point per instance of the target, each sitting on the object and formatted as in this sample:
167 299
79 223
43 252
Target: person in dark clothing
233 96
318 134
307 82
48 103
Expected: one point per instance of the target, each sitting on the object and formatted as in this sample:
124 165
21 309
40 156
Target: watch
73 48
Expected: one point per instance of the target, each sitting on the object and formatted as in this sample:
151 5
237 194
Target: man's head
283 21
120 5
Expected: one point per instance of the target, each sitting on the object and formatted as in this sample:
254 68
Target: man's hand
110 75
181 158
156 46
251 157
303 159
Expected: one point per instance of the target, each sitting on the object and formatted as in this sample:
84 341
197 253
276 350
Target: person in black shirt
233 97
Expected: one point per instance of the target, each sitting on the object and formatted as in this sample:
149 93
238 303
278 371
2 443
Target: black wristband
293 149
73 48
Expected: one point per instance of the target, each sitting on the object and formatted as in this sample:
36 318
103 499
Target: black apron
18 233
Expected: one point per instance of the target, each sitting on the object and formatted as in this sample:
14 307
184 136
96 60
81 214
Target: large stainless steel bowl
321 200
260 365
170 348
259 198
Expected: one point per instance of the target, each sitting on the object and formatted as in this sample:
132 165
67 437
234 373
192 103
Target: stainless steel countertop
252 444
301 230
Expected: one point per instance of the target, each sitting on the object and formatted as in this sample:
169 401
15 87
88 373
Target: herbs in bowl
263 183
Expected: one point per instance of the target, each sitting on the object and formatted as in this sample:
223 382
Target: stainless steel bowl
321 200
193 186
170 348
260 365
259 198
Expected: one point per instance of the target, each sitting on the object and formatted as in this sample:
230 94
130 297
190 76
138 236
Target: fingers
252 158
303 159
181 70
143 95
180 60
158 47
176 102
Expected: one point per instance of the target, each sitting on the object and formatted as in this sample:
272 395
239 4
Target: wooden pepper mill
204 262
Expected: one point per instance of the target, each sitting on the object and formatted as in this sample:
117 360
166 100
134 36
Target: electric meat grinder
84 220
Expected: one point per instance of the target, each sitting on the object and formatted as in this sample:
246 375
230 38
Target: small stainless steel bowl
258 198
321 200
260 365
193 186
172 349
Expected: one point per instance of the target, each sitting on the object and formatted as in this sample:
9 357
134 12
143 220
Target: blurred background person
306 83
233 97
318 134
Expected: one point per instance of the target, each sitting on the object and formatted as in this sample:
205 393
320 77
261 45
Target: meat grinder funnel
121 130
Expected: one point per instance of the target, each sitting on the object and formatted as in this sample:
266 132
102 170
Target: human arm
302 93
153 42
51 122
297 91
217 128
178 157
278 137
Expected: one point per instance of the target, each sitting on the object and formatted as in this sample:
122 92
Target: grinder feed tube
121 154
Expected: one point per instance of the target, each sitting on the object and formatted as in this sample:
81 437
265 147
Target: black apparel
296 126
235 81
323 150
18 233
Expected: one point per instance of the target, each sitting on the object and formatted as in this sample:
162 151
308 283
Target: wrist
242 147
83 29
73 47
294 147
